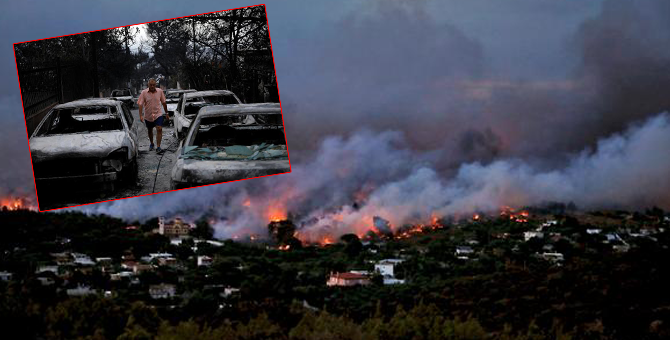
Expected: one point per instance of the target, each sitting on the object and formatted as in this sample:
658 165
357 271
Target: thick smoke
351 181
465 137
396 66
625 170
16 154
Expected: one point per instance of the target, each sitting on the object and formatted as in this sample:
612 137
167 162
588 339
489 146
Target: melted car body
232 142
85 145
191 102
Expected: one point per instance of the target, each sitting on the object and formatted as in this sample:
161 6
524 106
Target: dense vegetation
503 291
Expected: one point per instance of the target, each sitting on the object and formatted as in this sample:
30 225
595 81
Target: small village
178 269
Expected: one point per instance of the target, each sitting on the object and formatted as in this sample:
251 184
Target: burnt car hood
99 144
211 171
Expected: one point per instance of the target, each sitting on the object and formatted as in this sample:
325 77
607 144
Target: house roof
348 276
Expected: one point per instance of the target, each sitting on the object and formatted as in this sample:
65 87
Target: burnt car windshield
81 120
221 99
238 137
119 93
217 99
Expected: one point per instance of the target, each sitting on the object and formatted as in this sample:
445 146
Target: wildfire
476 217
521 217
284 247
16 203
276 214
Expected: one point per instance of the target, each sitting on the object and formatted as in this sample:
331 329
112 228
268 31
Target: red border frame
116 199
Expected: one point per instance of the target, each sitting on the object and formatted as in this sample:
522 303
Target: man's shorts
157 122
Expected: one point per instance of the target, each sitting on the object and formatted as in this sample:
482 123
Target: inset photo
154 107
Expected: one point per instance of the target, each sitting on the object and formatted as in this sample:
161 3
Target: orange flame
276 213
16 203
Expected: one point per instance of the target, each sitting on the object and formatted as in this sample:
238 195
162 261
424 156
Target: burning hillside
16 203
369 182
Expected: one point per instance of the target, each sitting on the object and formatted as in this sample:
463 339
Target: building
532 234
140 268
162 291
347 280
82 259
229 291
174 229
385 267
463 251
5 276
81 291
42 269
555 258
204 260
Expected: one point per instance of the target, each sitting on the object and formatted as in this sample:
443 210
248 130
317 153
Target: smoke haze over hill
407 113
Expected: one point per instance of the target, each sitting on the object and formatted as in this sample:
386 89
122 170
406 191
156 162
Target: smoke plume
352 181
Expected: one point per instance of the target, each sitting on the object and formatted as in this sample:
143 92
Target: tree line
222 50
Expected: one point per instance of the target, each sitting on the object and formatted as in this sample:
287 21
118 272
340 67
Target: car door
133 127
178 112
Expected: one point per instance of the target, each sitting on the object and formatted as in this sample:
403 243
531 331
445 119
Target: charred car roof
88 102
215 110
207 93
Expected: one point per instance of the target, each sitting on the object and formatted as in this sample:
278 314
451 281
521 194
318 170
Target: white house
80 291
204 260
393 281
42 269
162 291
385 267
530 234
550 223
556 258
6 276
228 292
463 251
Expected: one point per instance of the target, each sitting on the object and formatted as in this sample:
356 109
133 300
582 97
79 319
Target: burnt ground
148 170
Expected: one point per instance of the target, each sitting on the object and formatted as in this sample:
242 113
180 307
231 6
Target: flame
521 217
284 247
276 213
247 203
16 203
476 217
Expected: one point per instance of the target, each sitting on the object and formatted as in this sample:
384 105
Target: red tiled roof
349 276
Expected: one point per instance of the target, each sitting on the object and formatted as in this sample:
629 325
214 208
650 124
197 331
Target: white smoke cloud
350 181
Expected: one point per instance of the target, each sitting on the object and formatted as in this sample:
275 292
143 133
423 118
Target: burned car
172 97
191 102
232 142
125 96
84 145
